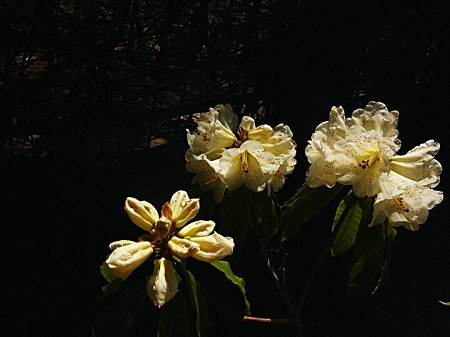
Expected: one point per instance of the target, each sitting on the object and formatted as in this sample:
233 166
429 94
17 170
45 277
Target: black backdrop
88 87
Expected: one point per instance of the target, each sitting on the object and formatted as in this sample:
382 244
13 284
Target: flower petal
125 259
142 213
419 163
162 285
213 247
197 228
183 248
183 208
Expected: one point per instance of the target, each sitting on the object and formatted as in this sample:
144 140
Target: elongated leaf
235 210
266 214
306 203
445 303
174 318
369 255
114 283
225 268
389 235
197 301
346 235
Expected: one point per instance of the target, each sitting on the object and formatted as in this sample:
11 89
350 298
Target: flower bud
162 285
123 260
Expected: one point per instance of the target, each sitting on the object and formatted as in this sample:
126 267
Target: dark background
88 88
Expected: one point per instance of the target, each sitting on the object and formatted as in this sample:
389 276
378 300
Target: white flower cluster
225 154
171 236
361 151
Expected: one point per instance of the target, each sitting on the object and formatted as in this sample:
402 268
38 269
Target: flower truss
225 155
361 151
171 238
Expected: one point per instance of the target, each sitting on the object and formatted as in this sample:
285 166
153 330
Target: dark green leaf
113 282
346 235
225 268
197 301
266 214
303 206
369 253
389 235
236 218
174 318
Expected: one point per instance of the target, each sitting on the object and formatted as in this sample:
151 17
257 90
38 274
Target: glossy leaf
114 283
389 234
369 255
303 206
197 302
225 268
266 214
236 218
445 303
346 235
174 318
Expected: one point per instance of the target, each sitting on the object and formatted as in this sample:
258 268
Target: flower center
245 167
373 157
398 203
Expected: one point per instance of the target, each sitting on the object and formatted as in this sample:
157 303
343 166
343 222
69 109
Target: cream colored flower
126 256
249 164
403 204
321 153
162 286
198 240
170 237
224 154
354 151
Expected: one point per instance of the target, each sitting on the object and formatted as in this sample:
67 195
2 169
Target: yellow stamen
245 167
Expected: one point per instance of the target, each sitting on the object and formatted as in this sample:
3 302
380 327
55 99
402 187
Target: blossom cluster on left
226 155
169 238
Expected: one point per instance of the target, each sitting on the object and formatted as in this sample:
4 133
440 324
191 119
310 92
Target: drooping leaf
235 211
174 318
345 238
113 282
198 303
369 254
445 303
119 317
303 206
266 214
225 268
389 235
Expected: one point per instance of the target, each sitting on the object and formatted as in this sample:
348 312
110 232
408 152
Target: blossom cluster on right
361 151
226 155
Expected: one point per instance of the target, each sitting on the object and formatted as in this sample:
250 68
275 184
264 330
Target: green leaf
369 255
445 303
346 235
106 272
174 318
114 283
389 234
197 301
236 218
225 268
303 206
266 214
